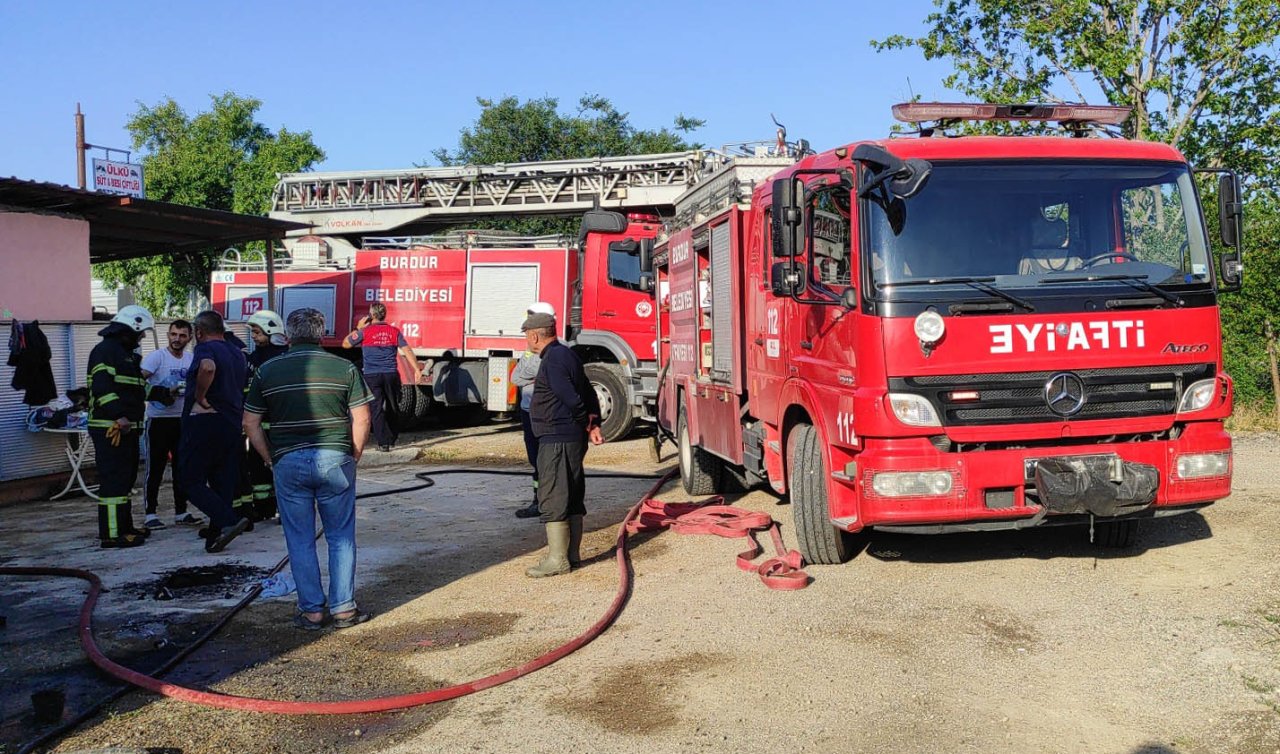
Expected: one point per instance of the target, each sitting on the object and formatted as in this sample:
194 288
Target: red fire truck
940 334
460 298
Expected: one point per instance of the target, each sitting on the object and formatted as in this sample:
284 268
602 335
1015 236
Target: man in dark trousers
211 439
167 368
257 500
380 344
565 415
117 400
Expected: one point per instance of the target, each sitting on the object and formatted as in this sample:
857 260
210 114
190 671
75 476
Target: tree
1202 75
222 158
535 130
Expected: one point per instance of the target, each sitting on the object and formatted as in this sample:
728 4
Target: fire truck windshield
1024 225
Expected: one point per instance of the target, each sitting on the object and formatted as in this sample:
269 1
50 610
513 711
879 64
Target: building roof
122 227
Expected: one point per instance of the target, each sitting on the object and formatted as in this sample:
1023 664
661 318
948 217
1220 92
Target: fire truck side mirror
787 217
646 282
646 256
786 279
1230 211
1231 226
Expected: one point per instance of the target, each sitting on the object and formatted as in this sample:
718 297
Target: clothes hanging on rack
30 356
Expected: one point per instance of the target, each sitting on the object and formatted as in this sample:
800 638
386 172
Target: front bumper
992 486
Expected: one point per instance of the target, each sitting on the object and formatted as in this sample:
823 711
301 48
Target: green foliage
222 158
508 130
1203 76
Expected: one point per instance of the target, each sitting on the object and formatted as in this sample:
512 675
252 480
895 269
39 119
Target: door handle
608 313
759 341
806 345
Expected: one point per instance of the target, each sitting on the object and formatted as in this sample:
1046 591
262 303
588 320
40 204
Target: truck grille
1019 397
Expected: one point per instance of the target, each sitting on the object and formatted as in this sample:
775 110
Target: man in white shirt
167 368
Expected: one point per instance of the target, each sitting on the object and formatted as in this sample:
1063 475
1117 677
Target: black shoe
385 448
531 511
124 540
218 540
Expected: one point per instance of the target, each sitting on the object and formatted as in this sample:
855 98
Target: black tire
1116 535
700 472
422 408
616 416
820 542
407 406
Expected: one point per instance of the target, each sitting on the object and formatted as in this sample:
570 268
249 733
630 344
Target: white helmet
270 324
541 307
137 318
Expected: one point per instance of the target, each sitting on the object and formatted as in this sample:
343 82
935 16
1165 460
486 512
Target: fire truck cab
956 334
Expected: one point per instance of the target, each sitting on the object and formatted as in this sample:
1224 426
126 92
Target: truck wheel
616 418
820 541
422 407
700 471
407 405
1117 535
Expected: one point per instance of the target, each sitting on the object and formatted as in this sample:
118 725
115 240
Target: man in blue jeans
317 406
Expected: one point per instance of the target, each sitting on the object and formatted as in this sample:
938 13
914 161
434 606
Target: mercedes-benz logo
1064 394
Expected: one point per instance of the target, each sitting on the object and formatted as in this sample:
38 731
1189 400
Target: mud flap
1100 485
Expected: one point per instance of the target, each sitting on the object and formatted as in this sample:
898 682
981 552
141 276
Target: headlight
912 483
913 410
1204 465
1198 396
929 327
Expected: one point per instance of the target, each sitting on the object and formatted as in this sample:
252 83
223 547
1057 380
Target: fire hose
708 517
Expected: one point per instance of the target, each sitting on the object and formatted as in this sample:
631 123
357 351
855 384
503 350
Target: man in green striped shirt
317 406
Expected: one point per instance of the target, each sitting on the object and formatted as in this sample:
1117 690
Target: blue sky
382 84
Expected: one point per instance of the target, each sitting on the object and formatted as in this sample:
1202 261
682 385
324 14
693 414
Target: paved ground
1031 641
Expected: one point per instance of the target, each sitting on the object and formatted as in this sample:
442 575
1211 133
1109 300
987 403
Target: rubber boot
556 561
575 541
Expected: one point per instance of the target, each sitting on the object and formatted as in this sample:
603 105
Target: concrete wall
45 266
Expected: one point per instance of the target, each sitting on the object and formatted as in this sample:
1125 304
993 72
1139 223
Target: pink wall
44 267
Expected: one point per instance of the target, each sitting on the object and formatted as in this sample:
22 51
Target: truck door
620 304
767 323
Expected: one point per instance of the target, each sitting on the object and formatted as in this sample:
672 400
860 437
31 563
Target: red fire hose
646 515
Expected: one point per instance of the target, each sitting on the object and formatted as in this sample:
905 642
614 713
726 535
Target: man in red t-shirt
381 345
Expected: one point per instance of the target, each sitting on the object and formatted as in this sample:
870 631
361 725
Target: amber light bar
918 112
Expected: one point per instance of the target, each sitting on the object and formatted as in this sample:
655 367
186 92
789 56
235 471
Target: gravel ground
1008 642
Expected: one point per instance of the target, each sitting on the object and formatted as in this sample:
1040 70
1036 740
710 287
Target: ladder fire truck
460 297
941 334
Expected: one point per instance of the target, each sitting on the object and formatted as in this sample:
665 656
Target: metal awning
122 227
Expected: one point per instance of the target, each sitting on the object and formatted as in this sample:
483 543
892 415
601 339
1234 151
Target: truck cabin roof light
919 112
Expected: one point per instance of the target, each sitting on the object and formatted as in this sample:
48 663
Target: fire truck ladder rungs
388 199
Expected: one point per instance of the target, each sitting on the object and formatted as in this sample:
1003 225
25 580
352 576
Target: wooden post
80 147
1275 374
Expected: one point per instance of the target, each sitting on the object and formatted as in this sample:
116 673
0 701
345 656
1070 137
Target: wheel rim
605 399
686 451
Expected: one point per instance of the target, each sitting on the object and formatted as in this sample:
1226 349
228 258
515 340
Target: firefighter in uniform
257 498
117 401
